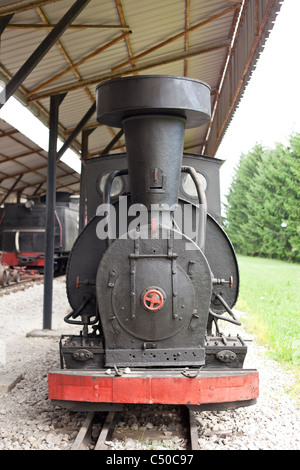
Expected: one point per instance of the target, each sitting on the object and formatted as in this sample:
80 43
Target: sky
269 111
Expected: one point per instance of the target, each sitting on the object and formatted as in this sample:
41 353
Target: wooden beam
77 64
41 51
64 53
26 170
10 190
8 133
39 190
206 48
90 125
72 26
177 36
36 108
100 152
36 171
123 23
23 5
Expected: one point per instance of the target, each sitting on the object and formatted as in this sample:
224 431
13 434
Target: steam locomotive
22 232
152 273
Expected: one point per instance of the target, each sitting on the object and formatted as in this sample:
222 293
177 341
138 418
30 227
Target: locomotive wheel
16 276
4 279
8 278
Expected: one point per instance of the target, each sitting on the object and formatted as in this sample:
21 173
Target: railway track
21 285
100 429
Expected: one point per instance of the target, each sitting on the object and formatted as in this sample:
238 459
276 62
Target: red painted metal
13 258
154 387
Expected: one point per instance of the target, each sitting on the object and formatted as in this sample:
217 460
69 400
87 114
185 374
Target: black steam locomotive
153 272
22 232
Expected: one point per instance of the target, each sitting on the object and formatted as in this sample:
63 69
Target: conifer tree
263 210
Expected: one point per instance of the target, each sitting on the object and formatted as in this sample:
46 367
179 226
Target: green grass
270 293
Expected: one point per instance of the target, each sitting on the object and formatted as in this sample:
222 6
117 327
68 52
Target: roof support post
76 131
10 190
4 20
41 51
55 102
37 189
112 142
84 155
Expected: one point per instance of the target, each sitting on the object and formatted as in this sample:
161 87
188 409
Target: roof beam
122 19
38 187
206 48
30 151
76 131
112 142
90 125
177 36
37 109
77 64
36 172
10 190
72 26
42 50
8 133
27 169
99 153
4 21
23 5
64 53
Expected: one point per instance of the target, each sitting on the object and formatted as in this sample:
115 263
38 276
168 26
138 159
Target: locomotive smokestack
154 111
154 145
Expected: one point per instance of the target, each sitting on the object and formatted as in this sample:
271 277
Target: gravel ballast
28 420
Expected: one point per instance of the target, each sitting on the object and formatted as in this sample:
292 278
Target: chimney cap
153 94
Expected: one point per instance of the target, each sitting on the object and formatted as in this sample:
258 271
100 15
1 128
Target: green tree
237 213
263 213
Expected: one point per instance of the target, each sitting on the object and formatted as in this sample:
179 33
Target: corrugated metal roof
194 38
19 156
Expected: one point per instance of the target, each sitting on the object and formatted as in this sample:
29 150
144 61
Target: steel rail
84 439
